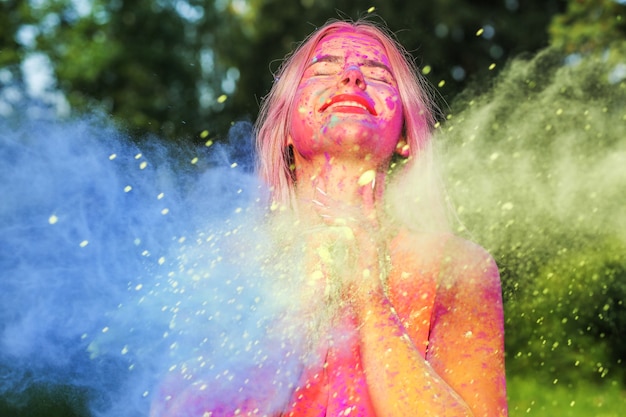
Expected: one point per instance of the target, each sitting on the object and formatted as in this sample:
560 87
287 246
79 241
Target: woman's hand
351 247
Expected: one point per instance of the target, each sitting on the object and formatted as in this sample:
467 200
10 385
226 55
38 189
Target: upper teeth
349 104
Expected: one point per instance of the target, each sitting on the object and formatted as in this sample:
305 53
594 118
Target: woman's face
347 102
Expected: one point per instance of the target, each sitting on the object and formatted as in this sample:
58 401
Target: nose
352 76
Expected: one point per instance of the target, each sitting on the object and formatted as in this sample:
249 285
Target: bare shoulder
454 260
457 319
419 249
467 264
466 335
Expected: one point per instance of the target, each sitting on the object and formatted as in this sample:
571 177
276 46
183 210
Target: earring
403 149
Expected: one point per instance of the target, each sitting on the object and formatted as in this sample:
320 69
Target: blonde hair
273 123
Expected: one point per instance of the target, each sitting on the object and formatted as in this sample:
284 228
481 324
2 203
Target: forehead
345 43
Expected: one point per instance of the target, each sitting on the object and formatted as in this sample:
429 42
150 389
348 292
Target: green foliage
46 401
568 321
132 60
529 397
9 52
588 25
160 66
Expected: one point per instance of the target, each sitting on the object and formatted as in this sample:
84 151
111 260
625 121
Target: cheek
302 112
302 123
394 106
307 100
392 102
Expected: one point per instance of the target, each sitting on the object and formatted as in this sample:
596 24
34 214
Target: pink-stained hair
272 126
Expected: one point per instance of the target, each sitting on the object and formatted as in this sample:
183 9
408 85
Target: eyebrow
334 59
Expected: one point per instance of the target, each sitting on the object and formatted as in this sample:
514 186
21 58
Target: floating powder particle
367 177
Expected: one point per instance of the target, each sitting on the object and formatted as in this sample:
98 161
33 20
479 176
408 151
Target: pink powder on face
391 102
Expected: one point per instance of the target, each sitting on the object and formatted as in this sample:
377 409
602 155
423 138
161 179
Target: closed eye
325 68
378 74
330 65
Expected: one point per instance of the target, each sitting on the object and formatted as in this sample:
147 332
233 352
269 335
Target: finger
367 186
330 210
321 197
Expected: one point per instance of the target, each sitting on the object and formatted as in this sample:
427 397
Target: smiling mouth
349 103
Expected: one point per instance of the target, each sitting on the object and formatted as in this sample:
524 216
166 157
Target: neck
355 183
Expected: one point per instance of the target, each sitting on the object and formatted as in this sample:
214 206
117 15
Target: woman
425 308
416 326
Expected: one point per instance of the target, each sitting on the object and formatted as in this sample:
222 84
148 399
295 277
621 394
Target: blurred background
532 93
178 68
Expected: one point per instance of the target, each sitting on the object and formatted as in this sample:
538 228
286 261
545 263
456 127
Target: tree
588 25
182 67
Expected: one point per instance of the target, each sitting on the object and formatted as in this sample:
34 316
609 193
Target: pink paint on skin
391 102
436 284
347 100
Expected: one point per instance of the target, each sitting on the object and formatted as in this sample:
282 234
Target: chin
362 135
367 147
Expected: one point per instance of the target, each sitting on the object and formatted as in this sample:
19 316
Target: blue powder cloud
118 269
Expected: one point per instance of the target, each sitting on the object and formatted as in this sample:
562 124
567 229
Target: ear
402 148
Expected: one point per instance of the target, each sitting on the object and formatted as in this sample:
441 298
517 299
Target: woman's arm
401 382
463 374
466 343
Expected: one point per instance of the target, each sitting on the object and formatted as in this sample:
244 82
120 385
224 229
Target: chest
338 386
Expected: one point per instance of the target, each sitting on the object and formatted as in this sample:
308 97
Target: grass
530 398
